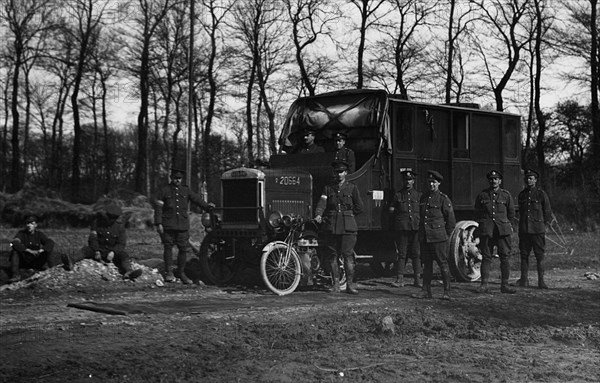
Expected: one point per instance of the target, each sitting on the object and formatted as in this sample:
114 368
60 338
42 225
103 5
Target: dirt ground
177 333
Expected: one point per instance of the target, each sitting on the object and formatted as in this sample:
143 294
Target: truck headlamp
275 219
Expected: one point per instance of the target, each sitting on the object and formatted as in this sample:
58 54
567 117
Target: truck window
403 128
461 132
511 138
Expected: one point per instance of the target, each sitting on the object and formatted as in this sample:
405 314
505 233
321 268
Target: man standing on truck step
535 214
436 224
495 210
405 209
309 146
339 203
172 222
342 153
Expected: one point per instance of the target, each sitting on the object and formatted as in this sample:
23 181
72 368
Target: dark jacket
437 217
346 155
313 148
171 207
406 209
494 209
338 206
534 211
107 236
34 241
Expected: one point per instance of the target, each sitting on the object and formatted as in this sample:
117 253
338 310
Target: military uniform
495 210
344 154
436 226
312 148
338 205
108 235
171 211
22 259
534 214
405 209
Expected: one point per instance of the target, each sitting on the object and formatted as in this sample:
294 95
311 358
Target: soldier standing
107 241
405 209
309 146
495 209
534 214
342 153
436 224
172 222
31 249
339 203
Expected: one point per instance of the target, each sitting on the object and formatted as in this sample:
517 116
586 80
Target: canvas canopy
360 114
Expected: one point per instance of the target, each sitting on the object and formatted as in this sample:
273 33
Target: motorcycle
296 260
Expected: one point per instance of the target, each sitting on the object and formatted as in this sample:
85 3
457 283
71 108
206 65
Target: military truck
388 134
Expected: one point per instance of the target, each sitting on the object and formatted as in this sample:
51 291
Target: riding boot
446 280
417 272
399 282
524 280
485 276
168 257
505 275
540 270
350 288
335 276
14 267
181 261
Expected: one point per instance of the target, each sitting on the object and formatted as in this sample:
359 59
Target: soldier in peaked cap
534 214
340 201
308 145
495 210
342 153
436 224
172 222
31 249
405 210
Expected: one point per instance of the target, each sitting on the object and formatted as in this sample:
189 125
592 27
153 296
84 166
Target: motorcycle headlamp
275 219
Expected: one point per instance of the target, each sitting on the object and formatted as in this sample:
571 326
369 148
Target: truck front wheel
464 256
218 261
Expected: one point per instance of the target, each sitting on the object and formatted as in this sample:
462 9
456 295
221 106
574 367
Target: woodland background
72 71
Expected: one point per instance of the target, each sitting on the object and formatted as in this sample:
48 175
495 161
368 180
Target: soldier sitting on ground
106 243
31 249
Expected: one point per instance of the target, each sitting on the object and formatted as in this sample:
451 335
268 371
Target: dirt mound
86 273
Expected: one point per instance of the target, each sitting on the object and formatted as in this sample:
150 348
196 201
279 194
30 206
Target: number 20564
287 180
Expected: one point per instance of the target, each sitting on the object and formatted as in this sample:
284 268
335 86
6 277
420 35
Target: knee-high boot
505 275
524 280
485 275
540 270
350 288
335 275
446 280
168 258
181 261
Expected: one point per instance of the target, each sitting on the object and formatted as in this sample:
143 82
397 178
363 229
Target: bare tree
28 21
504 20
368 17
309 19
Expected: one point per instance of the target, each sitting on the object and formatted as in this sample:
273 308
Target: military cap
176 172
30 218
340 165
494 174
434 175
308 131
531 172
408 174
113 210
339 136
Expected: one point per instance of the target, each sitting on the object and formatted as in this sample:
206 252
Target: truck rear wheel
218 261
464 256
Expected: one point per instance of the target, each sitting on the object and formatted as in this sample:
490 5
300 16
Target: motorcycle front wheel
280 269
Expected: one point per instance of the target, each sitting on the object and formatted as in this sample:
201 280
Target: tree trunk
595 73
450 53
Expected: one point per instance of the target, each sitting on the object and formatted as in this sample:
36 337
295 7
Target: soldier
405 209
107 241
342 153
534 214
309 146
495 209
339 203
436 224
31 249
172 222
